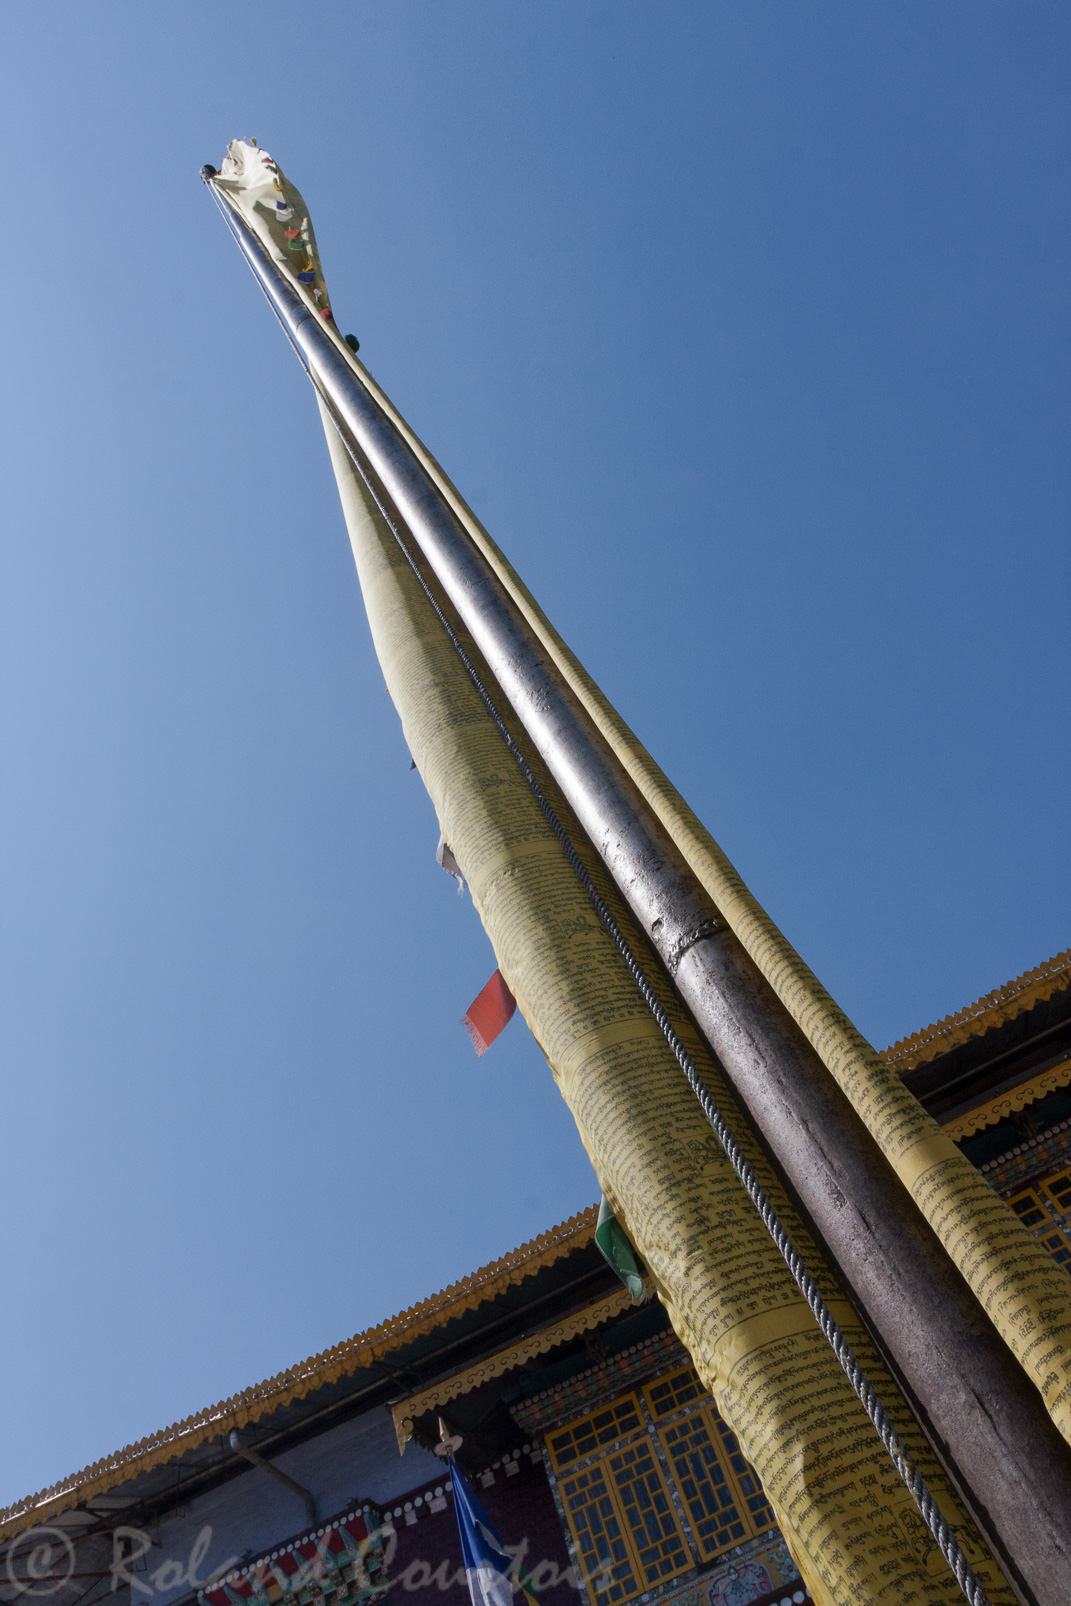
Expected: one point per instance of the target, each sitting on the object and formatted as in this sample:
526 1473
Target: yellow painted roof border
365 1348
1008 1103
297 1381
1001 1005
405 1412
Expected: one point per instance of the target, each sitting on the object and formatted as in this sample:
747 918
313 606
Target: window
622 1519
652 1523
1029 1208
1058 1245
1058 1188
721 1492
605 1558
579 1439
670 1393
1038 1216
618 1498
719 1486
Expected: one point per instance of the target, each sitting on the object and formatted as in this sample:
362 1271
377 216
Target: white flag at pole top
276 210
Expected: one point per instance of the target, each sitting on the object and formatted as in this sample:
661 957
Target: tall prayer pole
979 1407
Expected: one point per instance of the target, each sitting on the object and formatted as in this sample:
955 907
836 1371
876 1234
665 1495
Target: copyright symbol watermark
47 1558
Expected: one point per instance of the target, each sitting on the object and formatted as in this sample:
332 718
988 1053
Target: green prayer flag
613 1244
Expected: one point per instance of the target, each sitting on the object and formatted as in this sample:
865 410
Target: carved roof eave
1034 987
408 1410
364 1349
1008 1103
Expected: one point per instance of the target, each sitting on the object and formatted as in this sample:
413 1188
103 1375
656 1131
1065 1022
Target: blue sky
744 327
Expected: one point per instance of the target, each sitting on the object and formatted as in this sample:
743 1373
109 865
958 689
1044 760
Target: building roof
1003 1004
328 1382
463 1313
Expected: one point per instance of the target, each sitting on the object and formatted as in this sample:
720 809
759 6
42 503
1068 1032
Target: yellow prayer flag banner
1024 1293
852 1525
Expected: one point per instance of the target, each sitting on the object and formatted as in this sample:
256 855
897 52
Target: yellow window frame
1057 1191
618 1503
625 1528
719 1488
595 1430
717 1485
1041 1215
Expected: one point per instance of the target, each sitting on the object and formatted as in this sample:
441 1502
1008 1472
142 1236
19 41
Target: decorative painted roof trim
297 1381
405 1412
1016 1098
1027 1162
618 1374
364 1348
1033 987
645 1347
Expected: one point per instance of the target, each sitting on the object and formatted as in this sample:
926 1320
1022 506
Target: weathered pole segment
985 1418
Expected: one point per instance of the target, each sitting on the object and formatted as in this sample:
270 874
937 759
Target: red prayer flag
489 1013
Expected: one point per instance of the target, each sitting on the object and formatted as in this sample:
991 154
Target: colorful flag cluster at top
251 173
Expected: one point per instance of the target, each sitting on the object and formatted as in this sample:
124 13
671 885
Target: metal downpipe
255 1459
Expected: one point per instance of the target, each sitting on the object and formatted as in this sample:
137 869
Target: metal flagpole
982 1414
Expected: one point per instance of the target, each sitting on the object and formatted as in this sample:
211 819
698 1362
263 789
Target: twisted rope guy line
912 1478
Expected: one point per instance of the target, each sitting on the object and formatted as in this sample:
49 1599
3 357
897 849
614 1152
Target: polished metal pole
984 1417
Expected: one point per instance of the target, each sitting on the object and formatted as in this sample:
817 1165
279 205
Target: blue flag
487 1566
